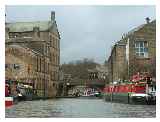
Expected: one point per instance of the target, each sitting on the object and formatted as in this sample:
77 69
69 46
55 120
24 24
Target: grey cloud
86 31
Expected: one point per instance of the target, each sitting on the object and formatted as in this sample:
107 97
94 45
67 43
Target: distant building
97 76
99 72
41 37
135 52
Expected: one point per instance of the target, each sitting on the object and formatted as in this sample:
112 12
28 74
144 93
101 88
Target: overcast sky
86 31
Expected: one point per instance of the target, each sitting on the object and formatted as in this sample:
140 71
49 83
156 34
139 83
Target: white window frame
140 48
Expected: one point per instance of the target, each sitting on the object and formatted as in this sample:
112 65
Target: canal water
78 108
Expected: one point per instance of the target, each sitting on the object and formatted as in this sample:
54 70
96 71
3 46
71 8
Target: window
16 66
50 40
48 68
37 64
40 65
6 66
141 49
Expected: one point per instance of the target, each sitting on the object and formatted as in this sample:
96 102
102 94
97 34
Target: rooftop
28 26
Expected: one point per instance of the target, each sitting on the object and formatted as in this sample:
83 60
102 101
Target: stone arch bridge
65 86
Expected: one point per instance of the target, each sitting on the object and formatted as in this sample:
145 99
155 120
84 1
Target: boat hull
117 97
9 101
89 97
129 98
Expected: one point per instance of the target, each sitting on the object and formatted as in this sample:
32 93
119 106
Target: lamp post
44 82
67 85
44 94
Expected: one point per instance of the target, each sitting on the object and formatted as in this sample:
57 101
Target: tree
79 68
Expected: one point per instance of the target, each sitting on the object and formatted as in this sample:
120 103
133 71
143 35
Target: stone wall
143 64
123 62
44 42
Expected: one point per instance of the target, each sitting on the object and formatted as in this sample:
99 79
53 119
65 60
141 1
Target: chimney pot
36 31
148 20
52 15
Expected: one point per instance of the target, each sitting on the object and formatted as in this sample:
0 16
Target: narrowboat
140 89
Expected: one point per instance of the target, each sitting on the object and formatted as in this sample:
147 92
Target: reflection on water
78 108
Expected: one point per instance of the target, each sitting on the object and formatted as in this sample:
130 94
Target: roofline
25 22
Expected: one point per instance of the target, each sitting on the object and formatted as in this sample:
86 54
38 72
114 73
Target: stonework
116 63
43 39
135 52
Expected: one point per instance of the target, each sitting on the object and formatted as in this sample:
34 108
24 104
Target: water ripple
76 108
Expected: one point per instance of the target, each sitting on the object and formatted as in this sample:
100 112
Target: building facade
117 63
135 52
43 38
21 66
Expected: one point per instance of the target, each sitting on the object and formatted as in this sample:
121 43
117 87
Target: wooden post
128 97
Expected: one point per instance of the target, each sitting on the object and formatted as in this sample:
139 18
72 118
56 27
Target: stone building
43 38
21 65
117 63
135 52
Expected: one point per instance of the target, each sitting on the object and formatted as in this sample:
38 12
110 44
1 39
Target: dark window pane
6 66
141 54
141 50
137 50
16 66
141 44
145 44
145 49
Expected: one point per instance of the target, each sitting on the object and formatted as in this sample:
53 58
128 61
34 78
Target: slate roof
28 26
141 26
122 42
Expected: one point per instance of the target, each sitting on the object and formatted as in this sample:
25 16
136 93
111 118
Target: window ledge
141 58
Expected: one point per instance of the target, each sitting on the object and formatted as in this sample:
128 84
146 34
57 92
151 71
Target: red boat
140 89
8 101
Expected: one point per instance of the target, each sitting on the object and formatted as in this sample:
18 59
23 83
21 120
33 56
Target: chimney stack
36 31
148 20
52 15
7 33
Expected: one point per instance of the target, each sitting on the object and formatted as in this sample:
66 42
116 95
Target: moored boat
25 92
8 101
140 89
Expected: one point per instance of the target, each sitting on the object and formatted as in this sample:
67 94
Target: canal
77 108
